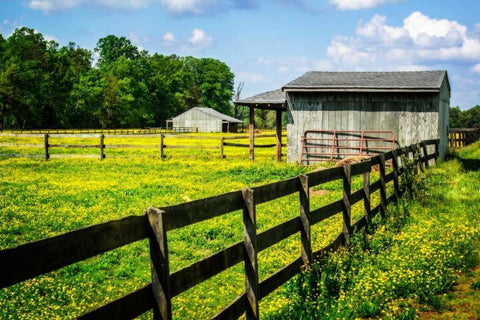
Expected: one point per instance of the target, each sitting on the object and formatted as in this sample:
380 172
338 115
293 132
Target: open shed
270 100
206 120
413 105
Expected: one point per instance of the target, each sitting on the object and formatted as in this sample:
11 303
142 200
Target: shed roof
215 113
410 81
275 99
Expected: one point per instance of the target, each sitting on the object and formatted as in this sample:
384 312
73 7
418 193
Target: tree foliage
465 119
43 85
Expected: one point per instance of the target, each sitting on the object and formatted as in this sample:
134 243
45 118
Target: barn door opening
225 126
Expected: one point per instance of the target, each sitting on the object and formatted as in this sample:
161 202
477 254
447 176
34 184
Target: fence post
307 255
412 149
425 153
162 307
47 155
222 141
436 151
161 145
102 146
396 187
366 197
347 191
383 187
250 255
419 156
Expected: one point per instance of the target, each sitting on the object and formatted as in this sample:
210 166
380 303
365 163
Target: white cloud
187 6
137 39
358 4
49 37
53 5
173 6
168 37
199 40
418 41
476 68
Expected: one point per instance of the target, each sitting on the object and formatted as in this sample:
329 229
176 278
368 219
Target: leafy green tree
112 47
43 85
23 84
455 117
214 81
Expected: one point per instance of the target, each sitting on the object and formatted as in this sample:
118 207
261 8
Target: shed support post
251 128
278 157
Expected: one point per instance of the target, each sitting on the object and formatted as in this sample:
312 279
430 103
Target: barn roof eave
357 89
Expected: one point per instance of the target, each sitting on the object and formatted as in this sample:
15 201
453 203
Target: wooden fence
461 137
161 146
144 131
36 258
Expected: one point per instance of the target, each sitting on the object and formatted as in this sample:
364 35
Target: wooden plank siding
412 116
36 258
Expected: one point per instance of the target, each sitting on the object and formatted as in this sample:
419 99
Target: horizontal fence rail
39 257
163 143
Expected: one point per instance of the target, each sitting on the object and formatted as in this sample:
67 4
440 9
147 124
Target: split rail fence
161 146
36 258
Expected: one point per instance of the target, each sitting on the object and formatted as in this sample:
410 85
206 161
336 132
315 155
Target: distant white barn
206 120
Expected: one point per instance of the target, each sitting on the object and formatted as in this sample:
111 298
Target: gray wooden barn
414 106
206 120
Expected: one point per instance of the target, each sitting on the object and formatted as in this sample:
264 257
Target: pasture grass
410 263
40 199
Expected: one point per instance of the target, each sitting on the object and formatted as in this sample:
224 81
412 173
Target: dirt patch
318 193
463 302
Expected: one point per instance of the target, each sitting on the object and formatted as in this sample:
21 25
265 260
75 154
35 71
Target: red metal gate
322 145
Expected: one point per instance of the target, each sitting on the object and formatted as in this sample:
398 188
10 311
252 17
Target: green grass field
408 267
40 199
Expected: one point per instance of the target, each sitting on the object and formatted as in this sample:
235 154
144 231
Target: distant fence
161 146
104 131
36 258
461 137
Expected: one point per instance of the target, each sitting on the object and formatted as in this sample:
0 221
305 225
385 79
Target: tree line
43 85
465 119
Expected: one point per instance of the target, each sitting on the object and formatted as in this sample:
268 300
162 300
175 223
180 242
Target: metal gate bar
316 146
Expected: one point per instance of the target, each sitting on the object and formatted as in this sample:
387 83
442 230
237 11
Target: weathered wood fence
461 137
144 131
36 258
161 146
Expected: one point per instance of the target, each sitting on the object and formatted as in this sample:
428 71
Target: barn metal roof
217 114
275 99
421 81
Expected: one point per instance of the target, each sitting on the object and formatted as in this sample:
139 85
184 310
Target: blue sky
268 43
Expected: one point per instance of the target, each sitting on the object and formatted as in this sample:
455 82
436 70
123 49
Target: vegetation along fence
36 258
161 146
461 137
